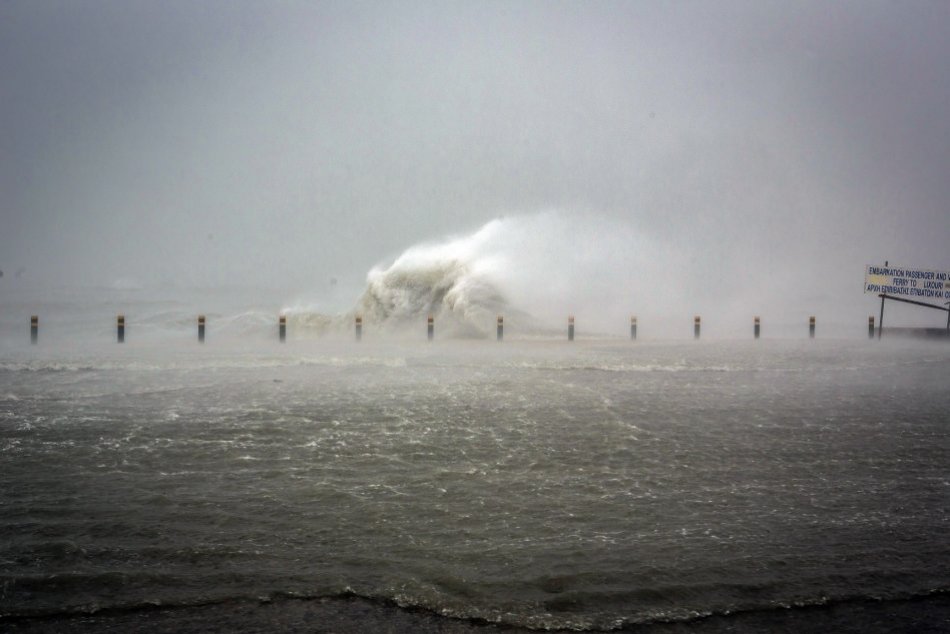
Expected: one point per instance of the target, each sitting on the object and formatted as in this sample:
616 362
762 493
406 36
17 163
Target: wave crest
533 269
453 281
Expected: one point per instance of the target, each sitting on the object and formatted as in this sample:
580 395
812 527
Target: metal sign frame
899 283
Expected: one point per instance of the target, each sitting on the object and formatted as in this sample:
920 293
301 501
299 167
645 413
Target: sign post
908 285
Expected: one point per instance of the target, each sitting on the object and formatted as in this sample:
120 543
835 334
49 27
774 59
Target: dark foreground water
468 487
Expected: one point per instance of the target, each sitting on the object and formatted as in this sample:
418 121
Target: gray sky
191 143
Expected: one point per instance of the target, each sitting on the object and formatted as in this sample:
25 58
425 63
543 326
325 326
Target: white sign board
899 281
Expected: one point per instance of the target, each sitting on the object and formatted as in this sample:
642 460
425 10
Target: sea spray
456 282
534 269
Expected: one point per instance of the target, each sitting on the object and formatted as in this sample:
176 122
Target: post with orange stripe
201 328
870 326
696 325
570 328
359 327
120 328
500 329
34 328
756 328
431 327
282 328
633 327
811 327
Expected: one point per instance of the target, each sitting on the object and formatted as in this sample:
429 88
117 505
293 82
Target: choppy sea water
794 485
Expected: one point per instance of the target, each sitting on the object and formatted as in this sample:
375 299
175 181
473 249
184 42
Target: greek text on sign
905 282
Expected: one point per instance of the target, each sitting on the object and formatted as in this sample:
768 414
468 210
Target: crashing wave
449 291
551 264
454 282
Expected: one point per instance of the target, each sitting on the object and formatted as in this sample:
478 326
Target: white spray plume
537 269
534 269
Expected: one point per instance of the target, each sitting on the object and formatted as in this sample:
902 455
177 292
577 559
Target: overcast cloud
209 143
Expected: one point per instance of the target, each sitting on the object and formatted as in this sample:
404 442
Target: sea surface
466 486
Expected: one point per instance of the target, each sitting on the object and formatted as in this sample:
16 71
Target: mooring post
757 327
120 328
500 328
431 327
282 328
633 327
201 328
359 327
34 328
811 327
570 328
696 326
870 326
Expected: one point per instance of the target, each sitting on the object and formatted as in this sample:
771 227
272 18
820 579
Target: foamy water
538 484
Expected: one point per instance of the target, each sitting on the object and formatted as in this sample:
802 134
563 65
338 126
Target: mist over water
533 269
536 269
729 161
534 160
